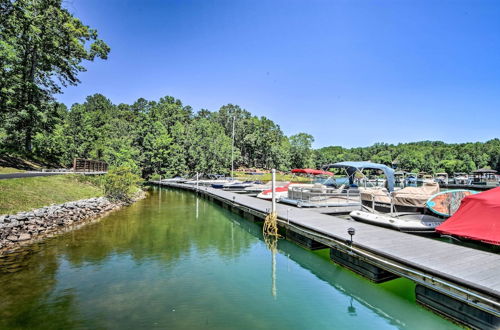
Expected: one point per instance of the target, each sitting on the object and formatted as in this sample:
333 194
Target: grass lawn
30 193
7 170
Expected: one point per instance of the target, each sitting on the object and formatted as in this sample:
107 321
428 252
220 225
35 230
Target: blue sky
349 72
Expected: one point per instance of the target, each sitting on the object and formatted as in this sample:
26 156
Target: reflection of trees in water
163 231
26 301
356 290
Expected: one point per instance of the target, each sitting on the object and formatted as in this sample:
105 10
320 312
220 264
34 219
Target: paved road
33 174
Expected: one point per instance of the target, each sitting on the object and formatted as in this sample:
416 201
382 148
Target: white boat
402 221
238 185
319 195
211 179
177 179
280 192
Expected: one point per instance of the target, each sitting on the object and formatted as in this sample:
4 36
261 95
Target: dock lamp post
351 231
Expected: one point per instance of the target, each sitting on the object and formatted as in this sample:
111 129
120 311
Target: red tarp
478 218
311 171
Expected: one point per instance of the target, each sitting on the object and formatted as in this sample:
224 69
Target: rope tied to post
270 231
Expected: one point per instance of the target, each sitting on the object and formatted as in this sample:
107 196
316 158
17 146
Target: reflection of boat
478 218
403 221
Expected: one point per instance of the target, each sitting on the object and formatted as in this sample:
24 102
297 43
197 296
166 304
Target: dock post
392 202
197 182
273 194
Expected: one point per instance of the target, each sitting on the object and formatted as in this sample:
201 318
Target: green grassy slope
29 193
7 170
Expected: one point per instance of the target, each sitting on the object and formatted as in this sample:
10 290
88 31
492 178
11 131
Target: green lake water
173 261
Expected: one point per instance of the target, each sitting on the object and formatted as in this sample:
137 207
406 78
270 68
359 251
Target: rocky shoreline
24 228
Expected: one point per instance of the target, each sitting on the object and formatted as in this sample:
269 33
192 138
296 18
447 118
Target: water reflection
178 261
351 310
393 301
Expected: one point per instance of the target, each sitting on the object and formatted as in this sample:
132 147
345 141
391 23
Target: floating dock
478 187
458 282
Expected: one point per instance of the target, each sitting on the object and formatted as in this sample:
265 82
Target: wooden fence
87 165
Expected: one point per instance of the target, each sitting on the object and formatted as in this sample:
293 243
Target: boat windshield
325 180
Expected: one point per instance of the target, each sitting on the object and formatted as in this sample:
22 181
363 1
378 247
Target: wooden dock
447 275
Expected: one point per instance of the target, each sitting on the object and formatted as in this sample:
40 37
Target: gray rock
24 237
39 213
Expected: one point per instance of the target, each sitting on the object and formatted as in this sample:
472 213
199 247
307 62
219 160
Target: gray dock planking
469 268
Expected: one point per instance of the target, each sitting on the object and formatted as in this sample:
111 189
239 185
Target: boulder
24 237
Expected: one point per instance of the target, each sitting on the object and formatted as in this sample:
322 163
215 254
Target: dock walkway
468 275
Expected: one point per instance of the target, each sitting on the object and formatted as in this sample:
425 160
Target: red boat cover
477 218
311 171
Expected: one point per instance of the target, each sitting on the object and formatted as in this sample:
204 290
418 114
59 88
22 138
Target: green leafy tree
42 47
209 151
302 155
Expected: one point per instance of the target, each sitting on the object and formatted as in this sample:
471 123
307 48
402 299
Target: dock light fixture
351 231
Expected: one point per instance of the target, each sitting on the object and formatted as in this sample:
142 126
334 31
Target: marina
249 165
471 281
177 260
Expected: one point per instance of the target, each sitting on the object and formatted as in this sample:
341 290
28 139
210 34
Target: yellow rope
270 231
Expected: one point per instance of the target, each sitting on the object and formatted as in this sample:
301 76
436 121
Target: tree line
43 48
424 156
163 137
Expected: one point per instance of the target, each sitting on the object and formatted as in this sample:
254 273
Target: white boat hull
405 222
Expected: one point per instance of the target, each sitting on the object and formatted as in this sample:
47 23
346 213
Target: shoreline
26 228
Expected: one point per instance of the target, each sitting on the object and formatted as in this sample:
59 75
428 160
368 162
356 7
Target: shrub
155 177
120 183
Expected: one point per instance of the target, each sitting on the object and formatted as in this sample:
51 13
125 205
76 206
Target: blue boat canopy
353 167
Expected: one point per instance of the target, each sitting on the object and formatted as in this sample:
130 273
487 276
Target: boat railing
315 194
370 183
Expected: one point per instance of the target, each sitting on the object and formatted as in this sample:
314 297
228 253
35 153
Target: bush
120 183
155 177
